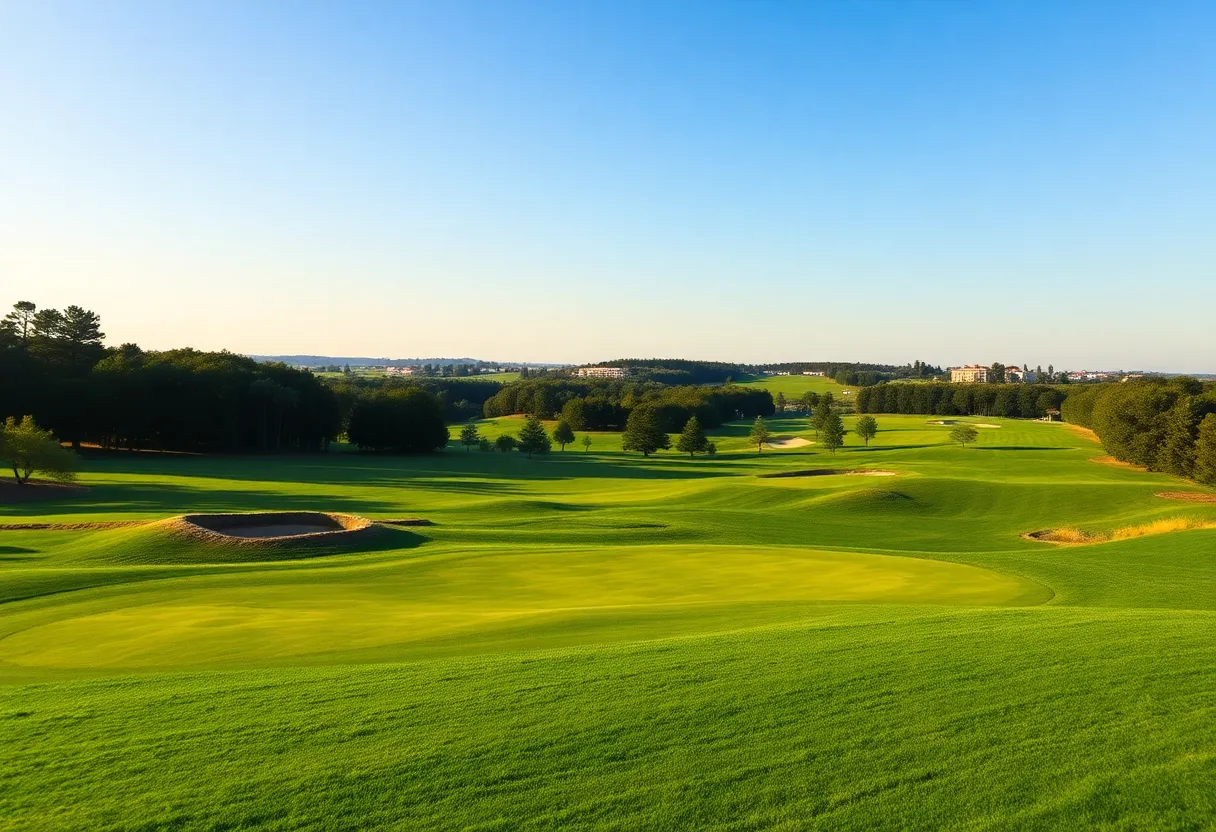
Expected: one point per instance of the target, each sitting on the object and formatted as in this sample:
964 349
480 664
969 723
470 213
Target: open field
601 641
795 387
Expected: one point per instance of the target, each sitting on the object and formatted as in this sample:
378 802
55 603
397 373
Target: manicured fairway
601 641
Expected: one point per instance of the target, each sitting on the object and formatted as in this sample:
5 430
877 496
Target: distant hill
356 361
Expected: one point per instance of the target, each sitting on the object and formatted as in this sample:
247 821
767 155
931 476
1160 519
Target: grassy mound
186 540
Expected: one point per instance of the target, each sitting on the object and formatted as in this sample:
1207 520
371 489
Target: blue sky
875 181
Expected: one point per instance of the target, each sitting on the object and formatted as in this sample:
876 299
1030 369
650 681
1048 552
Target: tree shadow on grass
1017 448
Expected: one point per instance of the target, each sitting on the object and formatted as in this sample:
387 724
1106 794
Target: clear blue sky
880 181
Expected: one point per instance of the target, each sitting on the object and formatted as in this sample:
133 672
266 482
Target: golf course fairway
598 640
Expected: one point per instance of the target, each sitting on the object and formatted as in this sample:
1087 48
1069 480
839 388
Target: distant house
811 373
969 374
398 371
602 372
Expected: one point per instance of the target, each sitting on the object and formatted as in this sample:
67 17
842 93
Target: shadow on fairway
1017 448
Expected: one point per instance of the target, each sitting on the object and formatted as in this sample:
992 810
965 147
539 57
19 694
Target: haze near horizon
749 182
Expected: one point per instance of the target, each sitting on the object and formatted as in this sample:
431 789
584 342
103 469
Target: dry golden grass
1188 496
1110 460
1070 536
1083 432
1166 524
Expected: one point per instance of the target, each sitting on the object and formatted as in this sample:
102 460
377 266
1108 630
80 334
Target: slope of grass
597 640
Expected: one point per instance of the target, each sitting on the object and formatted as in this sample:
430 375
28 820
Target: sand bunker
1188 496
983 425
828 472
795 442
943 422
271 527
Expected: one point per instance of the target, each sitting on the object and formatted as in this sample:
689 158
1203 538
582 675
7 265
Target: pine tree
643 432
533 439
781 403
693 438
760 434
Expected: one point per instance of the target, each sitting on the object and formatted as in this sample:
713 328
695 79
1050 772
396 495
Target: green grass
795 387
601 641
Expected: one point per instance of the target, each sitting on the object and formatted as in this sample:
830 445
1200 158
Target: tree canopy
760 434
867 428
28 449
563 434
533 439
692 439
831 435
963 434
644 432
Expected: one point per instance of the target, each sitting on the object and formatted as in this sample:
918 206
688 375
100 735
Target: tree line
591 404
56 369
1166 425
1025 401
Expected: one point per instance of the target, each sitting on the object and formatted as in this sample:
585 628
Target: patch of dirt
828 472
1085 433
794 442
1188 496
11 493
1110 460
69 527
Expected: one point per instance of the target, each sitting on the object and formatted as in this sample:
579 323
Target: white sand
982 425
796 442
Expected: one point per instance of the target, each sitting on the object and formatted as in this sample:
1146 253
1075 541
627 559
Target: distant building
969 374
602 372
398 371
812 373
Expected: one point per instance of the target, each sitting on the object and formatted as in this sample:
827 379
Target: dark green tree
832 434
399 421
563 434
505 443
533 439
867 428
586 442
780 402
18 325
692 439
469 437
711 448
1205 451
760 434
644 432
822 414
